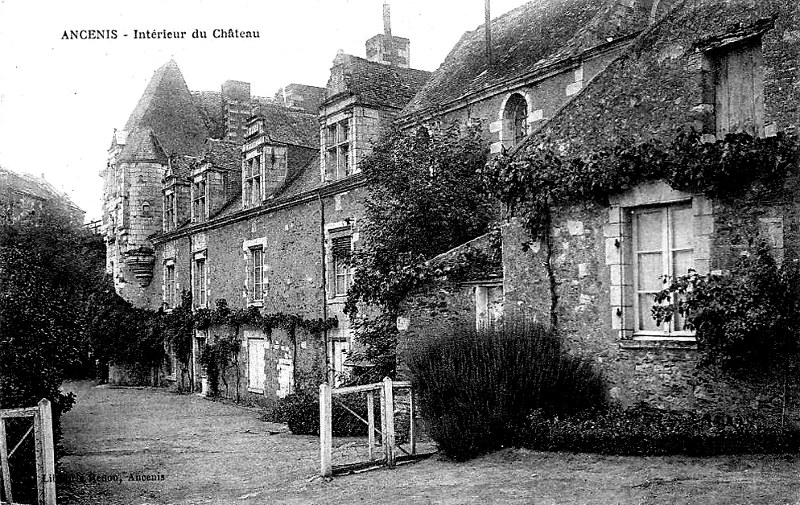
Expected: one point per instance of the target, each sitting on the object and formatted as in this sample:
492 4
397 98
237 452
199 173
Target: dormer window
252 182
169 211
337 150
199 208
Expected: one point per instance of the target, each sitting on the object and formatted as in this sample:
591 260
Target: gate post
4 462
45 453
325 430
388 421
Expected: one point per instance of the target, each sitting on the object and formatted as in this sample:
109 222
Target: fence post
412 429
48 451
325 430
388 421
4 462
371 422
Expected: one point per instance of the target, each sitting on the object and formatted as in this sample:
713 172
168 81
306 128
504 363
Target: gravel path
146 446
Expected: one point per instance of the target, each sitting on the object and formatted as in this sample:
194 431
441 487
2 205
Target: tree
49 266
426 197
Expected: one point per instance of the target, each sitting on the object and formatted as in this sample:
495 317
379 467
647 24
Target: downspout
191 308
324 287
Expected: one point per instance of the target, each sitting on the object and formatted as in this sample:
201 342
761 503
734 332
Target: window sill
688 343
171 378
255 390
257 303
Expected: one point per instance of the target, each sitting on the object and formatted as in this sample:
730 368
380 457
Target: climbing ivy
530 182
426 197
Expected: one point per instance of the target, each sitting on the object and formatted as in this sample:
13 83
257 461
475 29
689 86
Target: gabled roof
525 39
169 110
374 83
289 126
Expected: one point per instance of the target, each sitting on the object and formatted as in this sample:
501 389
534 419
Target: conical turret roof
167 108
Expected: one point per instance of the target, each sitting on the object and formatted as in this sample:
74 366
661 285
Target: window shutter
340 247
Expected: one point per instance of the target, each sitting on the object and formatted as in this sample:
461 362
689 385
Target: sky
61 99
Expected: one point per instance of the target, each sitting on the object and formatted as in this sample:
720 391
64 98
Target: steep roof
142 145
222 154
525 39
289 126
374 83
169 110
647 93
14 185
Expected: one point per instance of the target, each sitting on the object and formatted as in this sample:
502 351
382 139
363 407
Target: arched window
515 118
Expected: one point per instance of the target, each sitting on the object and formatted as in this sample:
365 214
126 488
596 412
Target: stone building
21 194
713 67
253 201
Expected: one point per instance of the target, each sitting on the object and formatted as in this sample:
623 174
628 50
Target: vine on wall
531 182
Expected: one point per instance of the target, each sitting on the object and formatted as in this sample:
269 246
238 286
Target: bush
478 389
301 412
645 430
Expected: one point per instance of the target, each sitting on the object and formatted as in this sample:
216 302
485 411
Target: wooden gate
387 432
42 428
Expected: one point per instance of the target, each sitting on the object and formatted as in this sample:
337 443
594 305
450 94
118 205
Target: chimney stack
387 21
386 48
488 29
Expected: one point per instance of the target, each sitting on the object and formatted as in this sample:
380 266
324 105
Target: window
662 249
169 211
342 275
515 120
200 282
169 285
252 185
256 365
199 200
256 274
739 89
337 155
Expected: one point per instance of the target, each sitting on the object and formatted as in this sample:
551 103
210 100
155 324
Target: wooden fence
42 429
387 431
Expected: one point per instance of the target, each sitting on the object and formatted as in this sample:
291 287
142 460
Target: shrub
744 319
301 412
646 430
478 389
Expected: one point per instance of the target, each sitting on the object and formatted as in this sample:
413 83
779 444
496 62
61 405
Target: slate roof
290 126
375 83
525 39
169 110
222 154
20 184
142 145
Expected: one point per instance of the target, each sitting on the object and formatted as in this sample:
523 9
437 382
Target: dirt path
209 452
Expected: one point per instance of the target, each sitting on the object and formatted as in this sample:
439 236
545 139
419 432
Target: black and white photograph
399 252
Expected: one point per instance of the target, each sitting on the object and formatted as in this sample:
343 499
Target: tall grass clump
478 389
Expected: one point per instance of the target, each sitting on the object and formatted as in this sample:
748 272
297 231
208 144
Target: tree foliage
426 197
49 267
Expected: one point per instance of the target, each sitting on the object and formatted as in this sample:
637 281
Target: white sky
61 99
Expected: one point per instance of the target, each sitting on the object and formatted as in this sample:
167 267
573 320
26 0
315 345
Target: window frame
200 282
199 199
169 284
253 181
256 274
667 252
515 119
341 267
338 142
169 211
